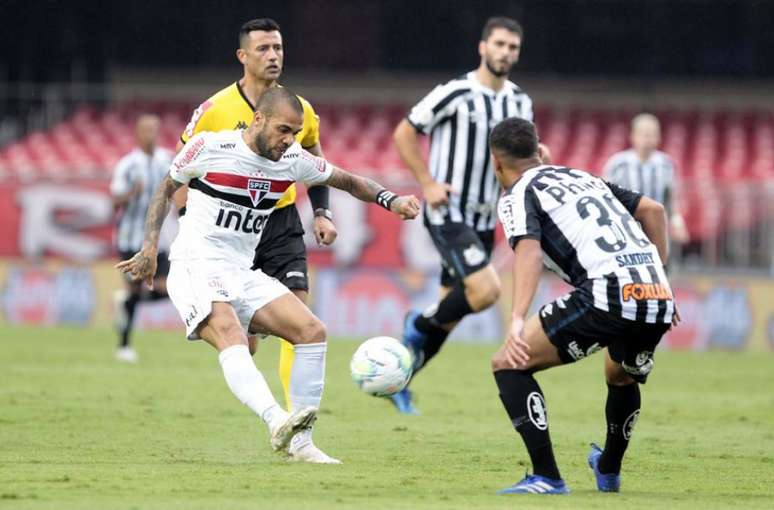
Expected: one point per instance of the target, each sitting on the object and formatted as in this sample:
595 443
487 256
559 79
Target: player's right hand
437 193
516 349
141 267
407 207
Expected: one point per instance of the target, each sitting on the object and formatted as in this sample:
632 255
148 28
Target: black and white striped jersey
147 171
653 178
590 239
458 116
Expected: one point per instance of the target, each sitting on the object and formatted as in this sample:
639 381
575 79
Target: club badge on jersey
232 192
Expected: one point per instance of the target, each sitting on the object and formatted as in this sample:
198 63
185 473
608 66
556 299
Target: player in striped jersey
135 178
459 186
647 170
587 231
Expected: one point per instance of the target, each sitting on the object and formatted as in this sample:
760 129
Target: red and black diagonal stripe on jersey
251 192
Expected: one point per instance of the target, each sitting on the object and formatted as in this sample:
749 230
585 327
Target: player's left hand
141 267
407 207
676 318
324 231
516 349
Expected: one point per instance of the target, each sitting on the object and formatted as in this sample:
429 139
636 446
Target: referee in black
459 186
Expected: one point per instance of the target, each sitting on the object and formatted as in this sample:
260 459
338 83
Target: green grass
78 430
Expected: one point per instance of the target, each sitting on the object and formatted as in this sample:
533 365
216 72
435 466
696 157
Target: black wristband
319 197
181 212
385 198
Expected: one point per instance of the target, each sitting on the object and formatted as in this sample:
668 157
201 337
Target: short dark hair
274 96
510 24
515 138
262 24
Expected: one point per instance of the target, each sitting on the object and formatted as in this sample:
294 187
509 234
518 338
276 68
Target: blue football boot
536 484
605 482
402 401
413 339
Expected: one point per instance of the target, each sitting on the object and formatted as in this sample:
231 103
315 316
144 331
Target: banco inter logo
247 223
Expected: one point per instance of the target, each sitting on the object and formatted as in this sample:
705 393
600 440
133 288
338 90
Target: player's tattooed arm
142 266
158 209
367 190
359 187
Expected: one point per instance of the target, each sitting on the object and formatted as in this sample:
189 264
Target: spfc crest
257 189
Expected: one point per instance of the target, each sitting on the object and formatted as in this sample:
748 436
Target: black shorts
281 253
577 330
463 250
162 261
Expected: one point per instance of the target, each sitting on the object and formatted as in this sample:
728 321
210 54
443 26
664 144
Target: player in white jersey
587 231
235 179
135 179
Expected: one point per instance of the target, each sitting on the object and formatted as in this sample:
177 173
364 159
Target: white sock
307 379
248 385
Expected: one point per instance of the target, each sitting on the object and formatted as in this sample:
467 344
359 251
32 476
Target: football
381 366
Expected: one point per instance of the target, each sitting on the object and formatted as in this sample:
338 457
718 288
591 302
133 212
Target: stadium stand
722 156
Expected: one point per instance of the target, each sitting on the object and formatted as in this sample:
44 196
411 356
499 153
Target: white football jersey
232 191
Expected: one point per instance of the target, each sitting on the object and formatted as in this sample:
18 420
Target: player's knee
483 293
230 333
312 332
499 361
619 379
492 292
615 375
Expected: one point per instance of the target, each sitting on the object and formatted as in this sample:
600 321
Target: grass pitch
79 430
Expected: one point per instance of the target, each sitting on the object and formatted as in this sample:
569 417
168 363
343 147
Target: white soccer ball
381 366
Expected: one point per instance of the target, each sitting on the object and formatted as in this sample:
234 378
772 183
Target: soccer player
645 169
236 179
586 231
281 253
459 186
135 178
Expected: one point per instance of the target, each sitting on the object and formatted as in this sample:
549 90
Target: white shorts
194 285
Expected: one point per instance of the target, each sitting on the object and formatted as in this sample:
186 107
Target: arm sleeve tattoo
158 209
359 187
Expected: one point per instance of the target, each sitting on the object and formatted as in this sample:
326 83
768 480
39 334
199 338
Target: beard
490 66
264 149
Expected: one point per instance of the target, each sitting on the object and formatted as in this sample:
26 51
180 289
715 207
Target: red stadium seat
728 150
